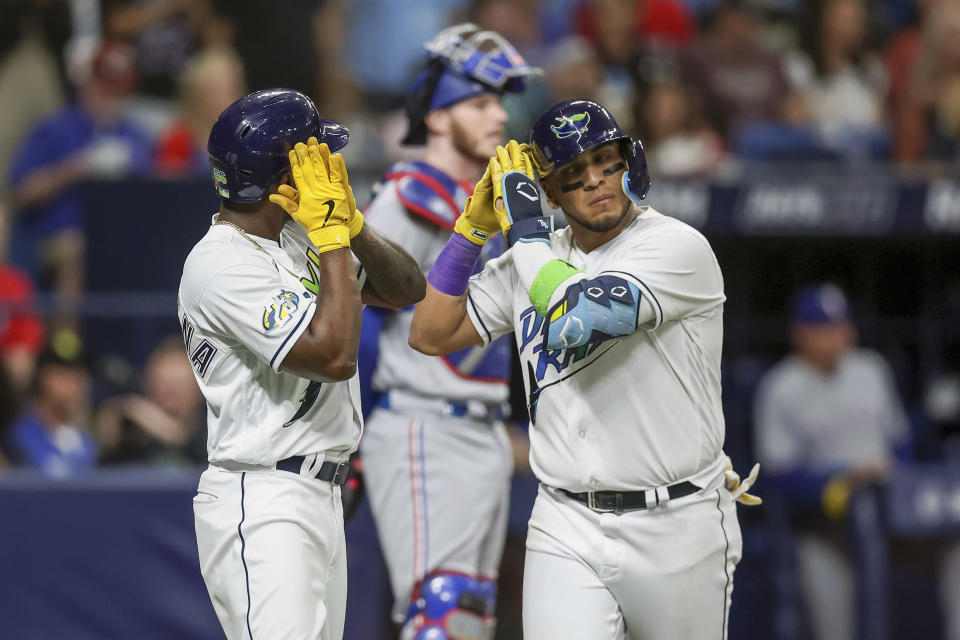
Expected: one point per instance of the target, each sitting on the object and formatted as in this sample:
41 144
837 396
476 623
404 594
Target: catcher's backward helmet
463 61
248 144
569 128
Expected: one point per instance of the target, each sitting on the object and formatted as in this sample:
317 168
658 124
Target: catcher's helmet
569 128
249 142
463 61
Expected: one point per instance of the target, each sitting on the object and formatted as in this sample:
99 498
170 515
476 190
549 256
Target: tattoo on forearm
392 273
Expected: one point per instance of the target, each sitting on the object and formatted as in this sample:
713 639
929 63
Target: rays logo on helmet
280 309
571 125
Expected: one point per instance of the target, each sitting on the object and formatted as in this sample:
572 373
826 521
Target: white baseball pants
272 554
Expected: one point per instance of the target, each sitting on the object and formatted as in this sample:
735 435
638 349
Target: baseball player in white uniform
437 457
618 321
270 304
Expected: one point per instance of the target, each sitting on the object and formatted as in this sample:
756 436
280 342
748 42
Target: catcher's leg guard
451 606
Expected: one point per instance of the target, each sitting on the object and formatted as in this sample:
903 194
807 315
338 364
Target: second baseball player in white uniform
618 320
437 457
270 303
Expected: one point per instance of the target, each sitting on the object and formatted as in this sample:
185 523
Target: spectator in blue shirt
90 139
49 435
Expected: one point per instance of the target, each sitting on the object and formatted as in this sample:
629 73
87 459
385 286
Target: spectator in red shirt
614 25
21 330
21 336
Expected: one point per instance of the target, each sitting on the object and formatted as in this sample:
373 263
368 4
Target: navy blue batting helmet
569 128
463 61
249 143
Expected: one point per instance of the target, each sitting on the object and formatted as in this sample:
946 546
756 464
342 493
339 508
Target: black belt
332 472
620 501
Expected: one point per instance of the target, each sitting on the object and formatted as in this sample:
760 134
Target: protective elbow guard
592 311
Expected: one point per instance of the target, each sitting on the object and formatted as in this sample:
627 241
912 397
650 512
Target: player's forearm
394 276
334 332
436 320
530 260
440 322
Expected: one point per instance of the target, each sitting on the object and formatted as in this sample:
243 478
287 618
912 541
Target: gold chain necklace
254 243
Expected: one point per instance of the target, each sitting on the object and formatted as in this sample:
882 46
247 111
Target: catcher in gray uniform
437 457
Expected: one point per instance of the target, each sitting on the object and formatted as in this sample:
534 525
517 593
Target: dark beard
603 225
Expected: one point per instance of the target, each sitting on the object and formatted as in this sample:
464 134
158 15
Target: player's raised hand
478 221
356 219
516 195
321 205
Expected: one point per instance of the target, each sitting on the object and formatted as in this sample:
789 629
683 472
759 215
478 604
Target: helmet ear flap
638 177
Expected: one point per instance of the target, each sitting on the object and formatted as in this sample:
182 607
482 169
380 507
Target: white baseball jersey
241 312
638 411
478 373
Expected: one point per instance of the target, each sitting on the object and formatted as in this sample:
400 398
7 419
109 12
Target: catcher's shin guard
451 606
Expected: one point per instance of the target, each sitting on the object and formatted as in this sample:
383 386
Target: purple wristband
454 266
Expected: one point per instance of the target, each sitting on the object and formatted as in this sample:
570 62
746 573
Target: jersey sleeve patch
280 310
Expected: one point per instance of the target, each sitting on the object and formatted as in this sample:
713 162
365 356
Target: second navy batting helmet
463 61
569 128
249 143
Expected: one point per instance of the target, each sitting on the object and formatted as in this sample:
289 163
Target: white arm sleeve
251 304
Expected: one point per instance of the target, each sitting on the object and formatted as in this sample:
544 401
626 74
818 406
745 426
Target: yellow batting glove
478 221
356 220
739 489
321 207
512 158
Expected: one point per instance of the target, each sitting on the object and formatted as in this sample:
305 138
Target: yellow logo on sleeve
280 310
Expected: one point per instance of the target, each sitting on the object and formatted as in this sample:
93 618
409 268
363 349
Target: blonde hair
204 68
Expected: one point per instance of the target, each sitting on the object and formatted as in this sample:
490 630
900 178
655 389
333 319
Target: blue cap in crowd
823 304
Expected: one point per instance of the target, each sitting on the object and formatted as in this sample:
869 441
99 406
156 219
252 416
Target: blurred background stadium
811 141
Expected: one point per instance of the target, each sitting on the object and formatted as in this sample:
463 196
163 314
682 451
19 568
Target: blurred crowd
102 89
99 89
